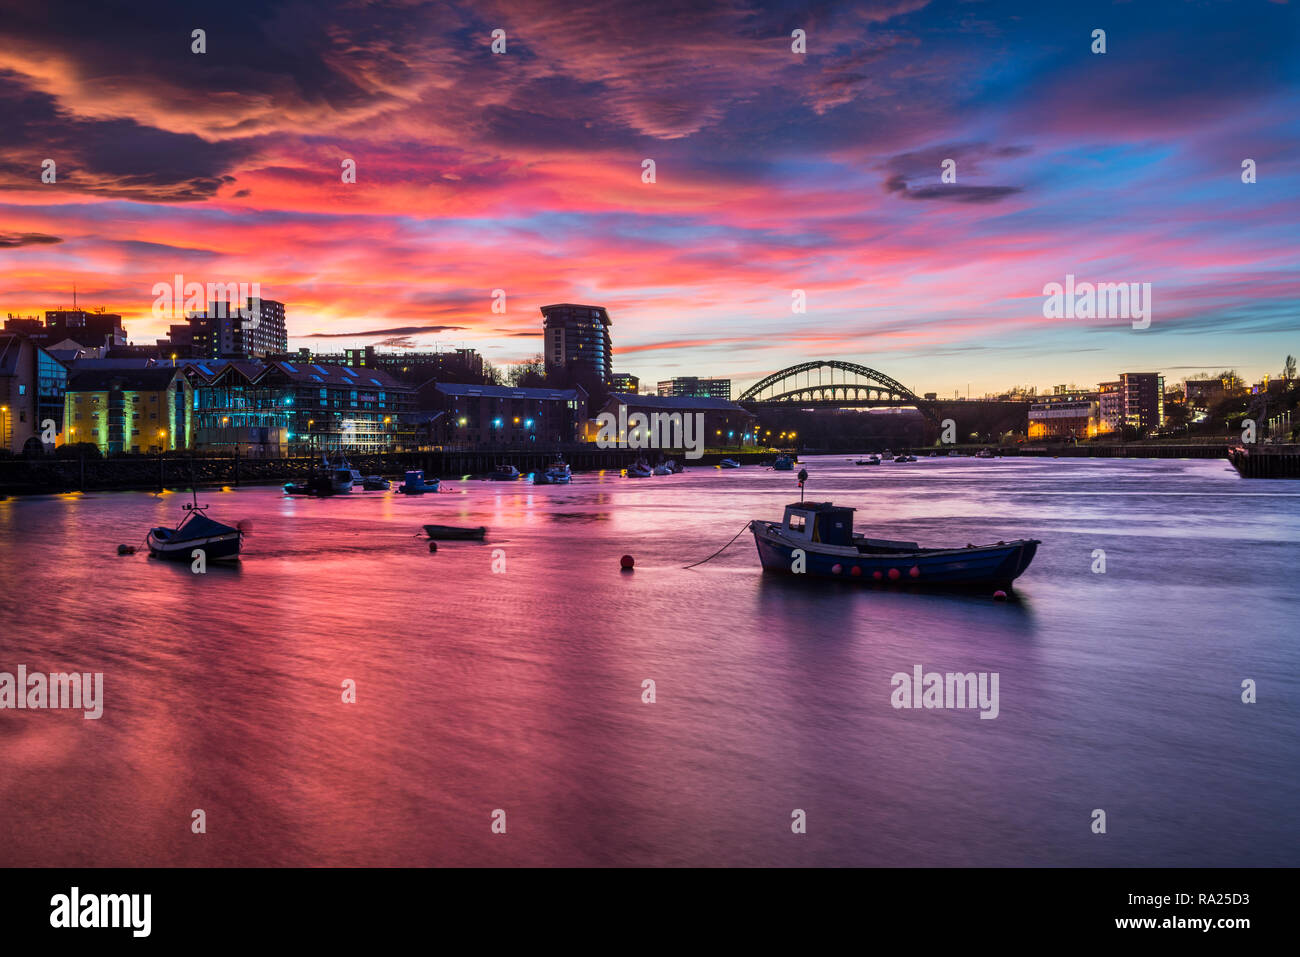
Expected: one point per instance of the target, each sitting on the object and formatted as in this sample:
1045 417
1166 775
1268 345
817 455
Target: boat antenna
803 477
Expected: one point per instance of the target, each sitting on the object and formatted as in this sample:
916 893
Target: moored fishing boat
663 468
415 483
375 483
639 469
217 541
817 539
783 463
504 473
728 464
557 473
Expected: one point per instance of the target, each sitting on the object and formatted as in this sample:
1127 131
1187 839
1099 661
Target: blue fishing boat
416 485
218 541
829 547
504 473
783 463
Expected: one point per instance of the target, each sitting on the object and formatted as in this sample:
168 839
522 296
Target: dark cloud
370 333
114 157
951 192
11 240
926 165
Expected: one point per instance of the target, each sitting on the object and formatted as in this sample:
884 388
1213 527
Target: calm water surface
522 690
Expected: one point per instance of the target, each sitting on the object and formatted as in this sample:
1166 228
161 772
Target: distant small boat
869 460
218 542
416 485
663 468
905 458
817 539
453 533
676 467
504 473
639 470
375 483
783 463
984 454
728 464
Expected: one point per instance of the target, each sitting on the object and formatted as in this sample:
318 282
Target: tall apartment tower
222 333
577 335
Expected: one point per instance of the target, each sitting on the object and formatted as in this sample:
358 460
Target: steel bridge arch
892 385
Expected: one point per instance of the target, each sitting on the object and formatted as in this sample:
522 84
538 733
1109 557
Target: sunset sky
775 171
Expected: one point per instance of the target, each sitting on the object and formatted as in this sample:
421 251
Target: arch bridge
813 385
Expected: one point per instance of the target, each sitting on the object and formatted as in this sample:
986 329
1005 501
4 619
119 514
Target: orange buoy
626 562
876 574
855 571
999 595
836 569
914 571
893 574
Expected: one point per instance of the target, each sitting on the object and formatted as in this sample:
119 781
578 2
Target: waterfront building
695 386
726 424
491 415
1065 415
1110 404
287 408
32 387
1144 400
128 409
577 335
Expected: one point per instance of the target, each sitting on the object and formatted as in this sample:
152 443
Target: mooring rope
720 550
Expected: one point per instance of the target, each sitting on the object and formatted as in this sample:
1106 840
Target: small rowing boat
453 534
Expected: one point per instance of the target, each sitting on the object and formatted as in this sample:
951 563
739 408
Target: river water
520 689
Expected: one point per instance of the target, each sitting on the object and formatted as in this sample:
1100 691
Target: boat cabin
819 522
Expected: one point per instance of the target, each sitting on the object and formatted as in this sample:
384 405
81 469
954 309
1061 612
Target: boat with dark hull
824 534
454 533
218 541
416 484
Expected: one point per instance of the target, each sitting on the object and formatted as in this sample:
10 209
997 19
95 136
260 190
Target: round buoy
433 546
876 575
836 569
999 595
914 571
855 571
125 549
893 574
626 562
